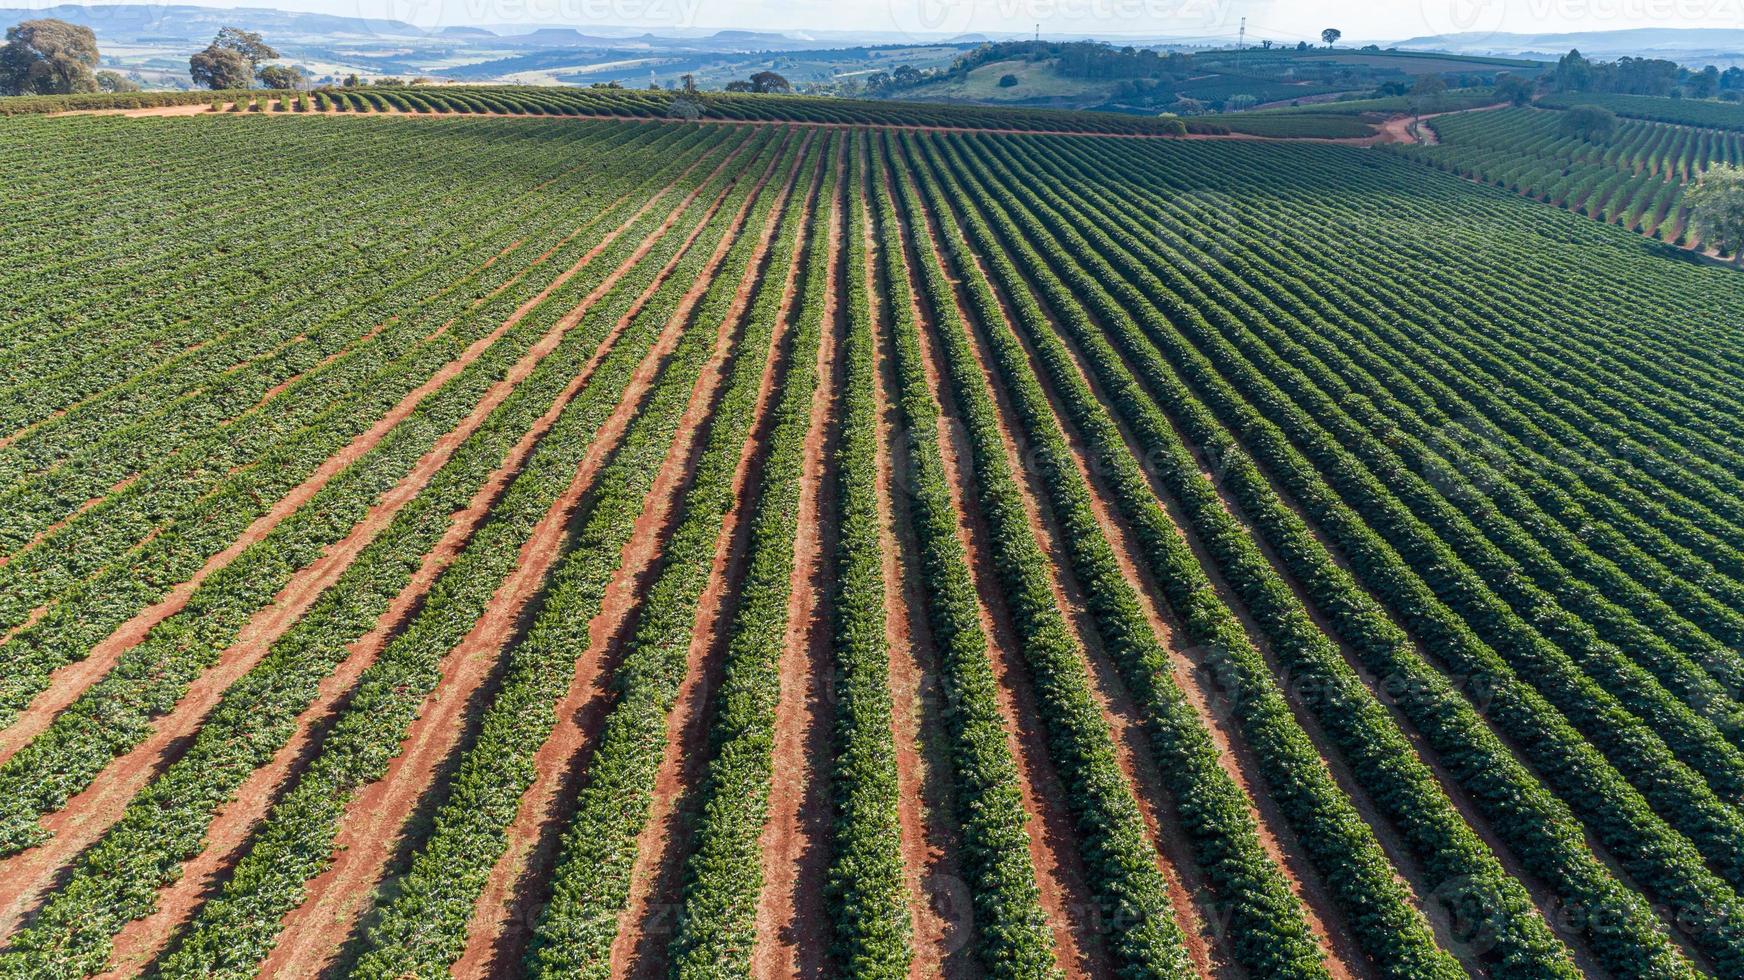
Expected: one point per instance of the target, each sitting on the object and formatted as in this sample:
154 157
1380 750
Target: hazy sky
1279 20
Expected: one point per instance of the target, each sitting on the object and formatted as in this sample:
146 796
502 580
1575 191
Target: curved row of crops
1633 177
1687 112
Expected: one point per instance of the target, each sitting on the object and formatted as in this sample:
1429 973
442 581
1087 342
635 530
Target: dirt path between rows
142 940
1410 129
792 924
939 903
370 832
502 919
1066 895
1196 678
71 680
86 816
1119 713
647 925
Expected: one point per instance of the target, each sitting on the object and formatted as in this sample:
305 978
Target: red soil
67 683
792 924
503 916
939 909
646 925
376 818
1066 896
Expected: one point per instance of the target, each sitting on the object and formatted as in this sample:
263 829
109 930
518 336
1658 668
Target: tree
1513 88
114 81
1589 122
1173 125
1301 45
1574 73
1426 94
1716 204
738 85
1265 46
48 57
281 77
1705 84
684 107
245 43
770 82
1008 81
231 60
687 82
220 68
1331 36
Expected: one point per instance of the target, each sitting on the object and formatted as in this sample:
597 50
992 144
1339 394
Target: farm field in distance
863 545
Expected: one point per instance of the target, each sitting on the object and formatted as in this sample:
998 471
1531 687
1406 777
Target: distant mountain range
124 22
155 22
1694 46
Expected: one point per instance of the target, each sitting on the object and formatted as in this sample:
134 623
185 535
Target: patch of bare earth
503 916
375 821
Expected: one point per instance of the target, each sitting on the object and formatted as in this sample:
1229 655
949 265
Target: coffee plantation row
583 547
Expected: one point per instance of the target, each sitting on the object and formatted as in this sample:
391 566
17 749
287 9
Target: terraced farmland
527 547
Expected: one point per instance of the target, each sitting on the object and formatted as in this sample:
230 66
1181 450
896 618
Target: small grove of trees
763 82
233 60
1716 203
1588 122
1631 76
48 57
1008 80
1513 88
